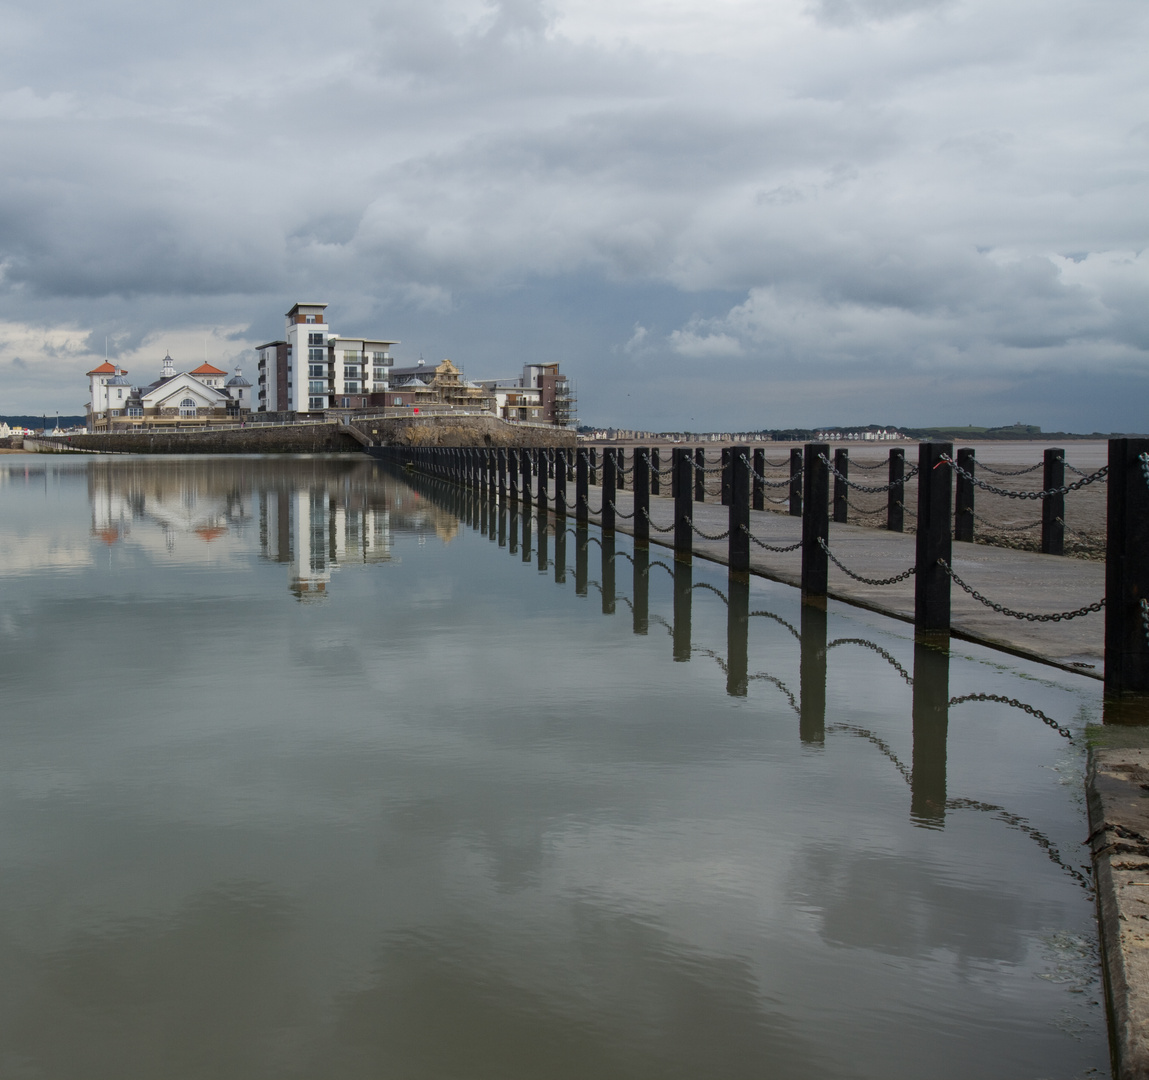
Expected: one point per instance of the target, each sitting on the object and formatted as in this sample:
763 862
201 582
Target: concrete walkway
1022 580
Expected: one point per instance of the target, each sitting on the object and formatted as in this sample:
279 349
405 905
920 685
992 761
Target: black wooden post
700 475
513 474
964 496
758 499
1127 569
654 471
683 468
737 633
816 520
609 487
620 468
896 496
492 473
841 488
525 466
1053 506
641 488
931 728
683 596
738 471
795 483
561 484
542 464
502 475
727 457
935 537
593 466
812 675
582 470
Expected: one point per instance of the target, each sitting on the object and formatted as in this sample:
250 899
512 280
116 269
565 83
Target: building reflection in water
315 520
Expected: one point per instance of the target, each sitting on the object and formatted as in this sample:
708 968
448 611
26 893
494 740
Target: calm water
307 772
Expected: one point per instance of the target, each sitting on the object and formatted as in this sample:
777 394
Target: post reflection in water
544 532
812 719
514 528
582 542
641 603
608 587
560 552
931 727
737 634
526 533
683 598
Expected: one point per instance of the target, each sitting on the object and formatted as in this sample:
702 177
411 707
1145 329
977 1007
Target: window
120 392
309 318
187 407
135 410
317 403
317 371
397 401
381 357
379 373
317 387
314 339
352 388
351 373
316 355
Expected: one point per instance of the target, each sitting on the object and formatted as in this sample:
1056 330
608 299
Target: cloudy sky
714 215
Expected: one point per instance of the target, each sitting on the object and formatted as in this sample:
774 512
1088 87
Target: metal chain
769 547
865 580
1014 472
776 464
778 502
707 536
855 464
619 513
1072 468
1063 490
863 510
1013 702
874 490
1097 541
717 592
1004 528
1144 459
785 481
1001 609
658 528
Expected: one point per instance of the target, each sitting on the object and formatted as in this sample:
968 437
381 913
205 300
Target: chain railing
657 528
1144 459
1016 472
1065 489
858 577
862 510
770 547
876 489
784 482
619 513
707 536
1028 616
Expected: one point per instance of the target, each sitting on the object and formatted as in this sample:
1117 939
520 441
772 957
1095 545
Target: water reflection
456 821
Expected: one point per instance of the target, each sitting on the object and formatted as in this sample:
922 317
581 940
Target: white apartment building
312 369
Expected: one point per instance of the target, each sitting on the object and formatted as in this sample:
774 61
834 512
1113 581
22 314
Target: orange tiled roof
206 369
104 369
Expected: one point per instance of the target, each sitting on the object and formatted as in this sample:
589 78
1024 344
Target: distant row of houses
312 372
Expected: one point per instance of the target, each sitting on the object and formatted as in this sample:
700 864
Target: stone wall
461 431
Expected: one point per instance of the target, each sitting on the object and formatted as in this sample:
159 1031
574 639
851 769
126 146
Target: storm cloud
714 216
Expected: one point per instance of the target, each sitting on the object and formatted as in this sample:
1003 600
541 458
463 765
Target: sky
715 216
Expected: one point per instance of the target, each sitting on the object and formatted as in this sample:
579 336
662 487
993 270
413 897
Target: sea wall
315 438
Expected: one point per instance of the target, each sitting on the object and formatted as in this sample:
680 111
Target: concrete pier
1022 580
